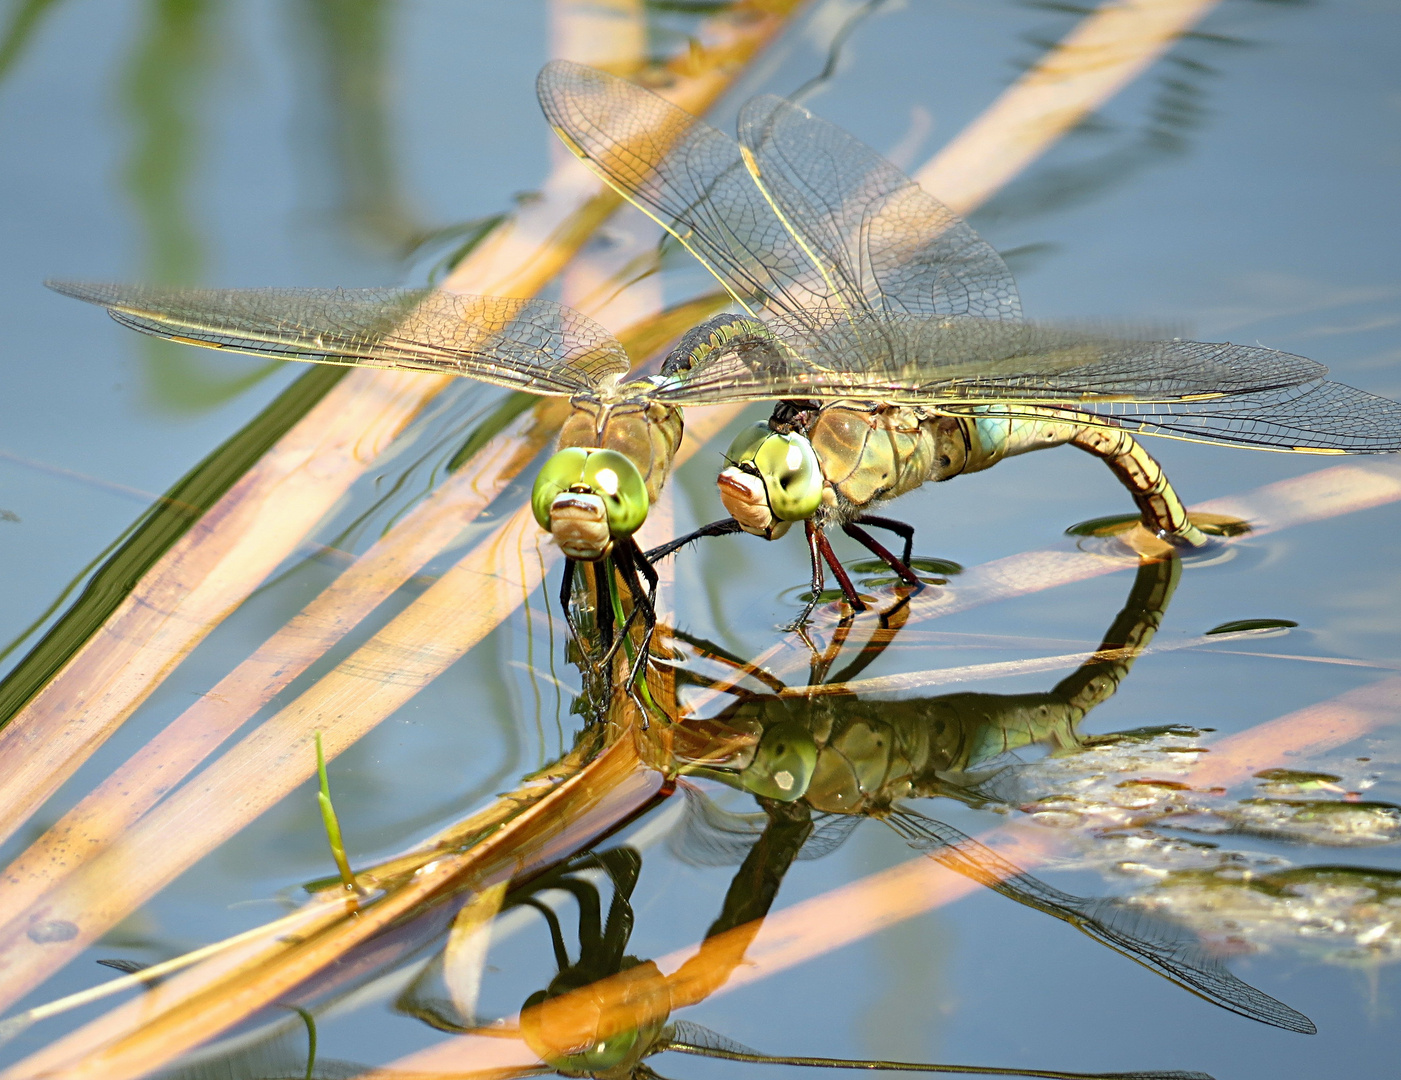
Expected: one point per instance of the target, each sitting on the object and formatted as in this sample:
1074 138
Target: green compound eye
606 474
747 442
615 480
560 473
791 474
783 763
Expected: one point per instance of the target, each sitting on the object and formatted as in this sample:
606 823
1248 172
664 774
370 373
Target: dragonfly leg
861 536
603 589
818 544
723 527
631 560
566 594
1163 512
904 530
819 580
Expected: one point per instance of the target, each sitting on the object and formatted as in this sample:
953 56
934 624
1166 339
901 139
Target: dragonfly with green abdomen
854 283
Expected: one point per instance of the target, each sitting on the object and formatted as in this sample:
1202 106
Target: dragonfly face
587 497
773 480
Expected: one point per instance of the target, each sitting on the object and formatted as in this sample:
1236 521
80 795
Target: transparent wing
695 1037
1223 393
1155 943
687 1038
690 178
533 345
827 226
710 836
965 360
1319 417
873 231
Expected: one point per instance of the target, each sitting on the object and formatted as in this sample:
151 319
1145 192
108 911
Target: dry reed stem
1099 57
133 788
440 626
263 518
204 576
454 614
105 813
145 1033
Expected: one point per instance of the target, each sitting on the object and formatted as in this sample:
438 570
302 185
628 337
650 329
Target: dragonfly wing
830 831
694 1038
710 836
533 345
1158 945
691 179
974 361
876 232
1320 417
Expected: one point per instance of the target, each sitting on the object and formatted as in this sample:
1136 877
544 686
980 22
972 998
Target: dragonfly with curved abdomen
855 284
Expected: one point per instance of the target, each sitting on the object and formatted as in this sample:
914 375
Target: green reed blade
332 823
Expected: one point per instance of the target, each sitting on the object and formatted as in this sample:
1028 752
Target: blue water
1242 190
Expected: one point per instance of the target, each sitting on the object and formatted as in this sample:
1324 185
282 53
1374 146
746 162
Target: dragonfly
894 337
610 981
833 759
615 447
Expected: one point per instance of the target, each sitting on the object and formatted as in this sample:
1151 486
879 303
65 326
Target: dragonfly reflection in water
853 279
610 987
825 758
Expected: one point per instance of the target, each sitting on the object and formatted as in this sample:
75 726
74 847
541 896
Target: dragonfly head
772 481
569 1034
783 763
587 497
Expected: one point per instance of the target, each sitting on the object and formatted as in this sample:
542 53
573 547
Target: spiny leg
819 580
630 561
861 536
566 593
603 611
1163 512
723 527
903 529
819 545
